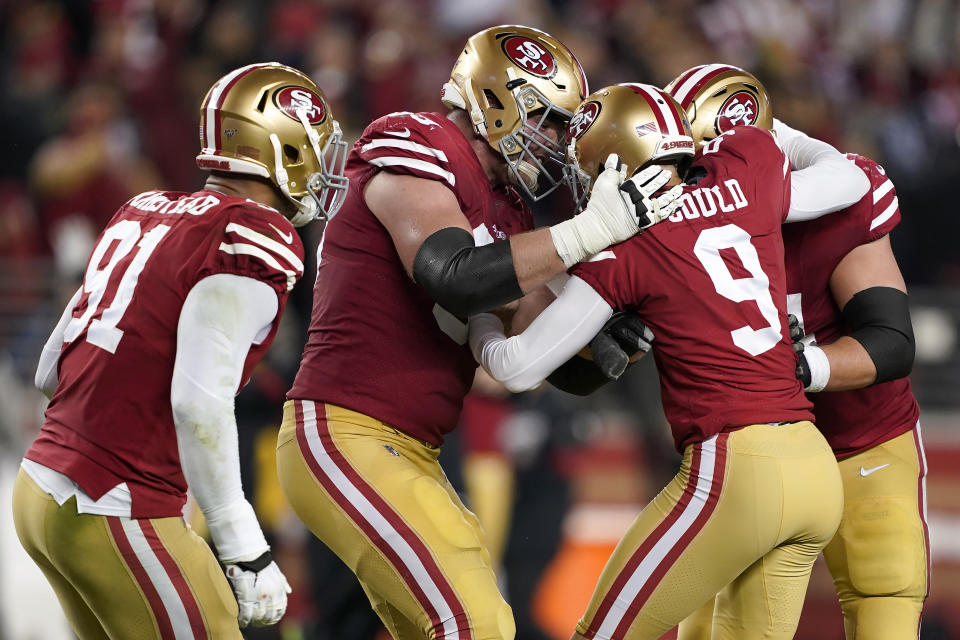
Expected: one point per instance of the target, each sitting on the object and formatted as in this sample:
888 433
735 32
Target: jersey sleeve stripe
882 190
886 215
257 252
413 163
268 243
409 145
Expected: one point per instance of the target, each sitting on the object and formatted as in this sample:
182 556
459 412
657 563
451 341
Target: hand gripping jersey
378 344
110 420
861 418
710 282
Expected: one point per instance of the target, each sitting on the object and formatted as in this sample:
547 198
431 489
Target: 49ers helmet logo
582 120
530 55
737 110
290 100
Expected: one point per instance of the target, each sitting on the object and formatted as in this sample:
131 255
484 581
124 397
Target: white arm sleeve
46 377
823 180
557 334
221 316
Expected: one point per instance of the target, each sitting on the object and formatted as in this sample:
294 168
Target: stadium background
100 102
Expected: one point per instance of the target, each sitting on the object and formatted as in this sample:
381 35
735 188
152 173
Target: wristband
819 366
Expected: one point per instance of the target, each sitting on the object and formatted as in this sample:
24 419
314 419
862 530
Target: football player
758 493
181 298
845 288
433 230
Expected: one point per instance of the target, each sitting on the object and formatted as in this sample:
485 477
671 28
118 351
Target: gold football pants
125 578
379 499
750 509
879 558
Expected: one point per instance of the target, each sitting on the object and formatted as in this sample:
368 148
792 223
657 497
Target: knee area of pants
884 553
494 624
448 518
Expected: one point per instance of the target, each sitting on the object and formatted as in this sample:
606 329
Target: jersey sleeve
884 215
258 243
612 274
411 144
773 162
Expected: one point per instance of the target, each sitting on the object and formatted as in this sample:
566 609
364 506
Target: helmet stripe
668 119
211 106
684 92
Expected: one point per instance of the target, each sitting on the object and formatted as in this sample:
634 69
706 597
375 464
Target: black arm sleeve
578 376
465 279
879 319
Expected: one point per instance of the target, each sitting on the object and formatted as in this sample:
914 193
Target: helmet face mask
519 85
271 121
640 123
718 97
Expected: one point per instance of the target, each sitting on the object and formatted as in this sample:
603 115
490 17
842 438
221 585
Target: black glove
621 338
796 335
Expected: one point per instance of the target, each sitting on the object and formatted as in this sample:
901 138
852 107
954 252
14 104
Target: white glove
618 209
261 590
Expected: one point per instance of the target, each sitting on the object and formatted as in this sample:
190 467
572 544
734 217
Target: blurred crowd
101 102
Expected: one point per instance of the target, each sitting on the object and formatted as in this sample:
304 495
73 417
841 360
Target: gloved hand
813 366
618 209
796 335
261 590
622 337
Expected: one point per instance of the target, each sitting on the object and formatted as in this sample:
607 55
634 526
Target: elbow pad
463 278
879 319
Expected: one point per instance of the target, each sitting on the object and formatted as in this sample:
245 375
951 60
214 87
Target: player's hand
796 335
261 590
622 338
618 209
640 189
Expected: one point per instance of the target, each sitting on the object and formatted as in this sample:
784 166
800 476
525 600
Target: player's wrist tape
879 319
819 366
585 234
236 532
463 278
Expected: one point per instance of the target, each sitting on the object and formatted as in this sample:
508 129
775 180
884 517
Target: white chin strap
529 174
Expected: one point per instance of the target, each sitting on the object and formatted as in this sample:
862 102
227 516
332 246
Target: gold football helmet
639 122
272 121
504 76
720 96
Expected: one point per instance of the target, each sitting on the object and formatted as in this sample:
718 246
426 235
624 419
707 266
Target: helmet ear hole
493 102
291 154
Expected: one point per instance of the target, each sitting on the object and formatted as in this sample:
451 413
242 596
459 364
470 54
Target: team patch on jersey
740 109
291 100
530 55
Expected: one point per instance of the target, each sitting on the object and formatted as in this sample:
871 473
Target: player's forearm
535 258
850 365
45 378
523 361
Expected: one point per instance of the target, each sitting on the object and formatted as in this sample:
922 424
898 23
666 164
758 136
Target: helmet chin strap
529 174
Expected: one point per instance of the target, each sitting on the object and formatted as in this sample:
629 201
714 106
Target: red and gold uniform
880 557
758 493
382 380
98 502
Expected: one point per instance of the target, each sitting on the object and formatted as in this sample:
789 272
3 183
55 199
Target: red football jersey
110 419
378 343
861 418
710 283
